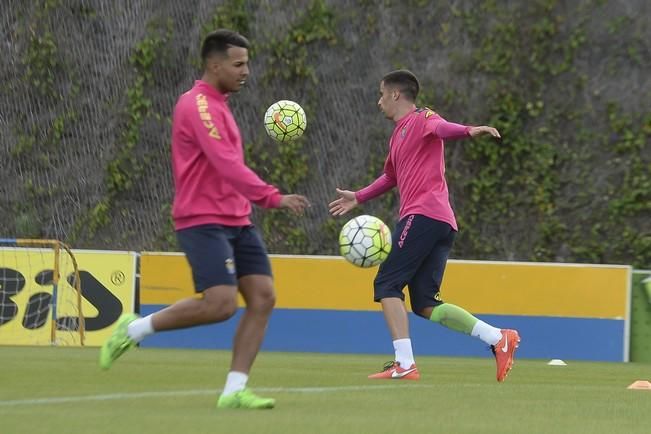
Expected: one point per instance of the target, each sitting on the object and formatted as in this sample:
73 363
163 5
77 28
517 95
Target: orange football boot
393 371
503 352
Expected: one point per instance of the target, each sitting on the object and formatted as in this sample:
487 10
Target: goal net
40 294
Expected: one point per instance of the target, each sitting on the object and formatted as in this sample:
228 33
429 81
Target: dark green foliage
564 82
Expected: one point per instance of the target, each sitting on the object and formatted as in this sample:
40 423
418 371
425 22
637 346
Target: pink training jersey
212 183
416 165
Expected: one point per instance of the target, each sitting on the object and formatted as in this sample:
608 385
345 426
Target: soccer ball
365 241
285 120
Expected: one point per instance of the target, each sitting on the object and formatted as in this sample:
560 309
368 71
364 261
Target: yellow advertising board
164 278
29 311
503 288
539 289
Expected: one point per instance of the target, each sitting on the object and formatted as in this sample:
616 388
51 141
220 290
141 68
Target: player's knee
425 312
218 306
421 309
221 310
263 300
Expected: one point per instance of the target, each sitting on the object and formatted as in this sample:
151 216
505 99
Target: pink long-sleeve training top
416 164
212 183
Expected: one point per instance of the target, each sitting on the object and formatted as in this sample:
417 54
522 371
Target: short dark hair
405 81
219 41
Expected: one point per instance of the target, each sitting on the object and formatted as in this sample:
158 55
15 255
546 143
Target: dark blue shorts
419 253
219 255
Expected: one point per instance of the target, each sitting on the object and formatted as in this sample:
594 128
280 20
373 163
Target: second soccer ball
285 120
365 241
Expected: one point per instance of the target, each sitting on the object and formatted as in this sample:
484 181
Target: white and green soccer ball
365 241
285 120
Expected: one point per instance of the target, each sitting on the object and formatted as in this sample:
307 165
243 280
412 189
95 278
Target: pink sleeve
439 127
375 189
449 130
384 183
224 157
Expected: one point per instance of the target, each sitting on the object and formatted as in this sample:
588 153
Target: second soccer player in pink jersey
426 229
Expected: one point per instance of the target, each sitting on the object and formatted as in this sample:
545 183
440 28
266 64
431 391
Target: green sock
453 317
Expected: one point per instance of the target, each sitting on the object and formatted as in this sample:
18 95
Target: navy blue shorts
219 255
419 253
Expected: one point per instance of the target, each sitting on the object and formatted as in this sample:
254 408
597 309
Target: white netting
60 138
69 84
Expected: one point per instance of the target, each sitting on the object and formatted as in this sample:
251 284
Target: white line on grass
175 393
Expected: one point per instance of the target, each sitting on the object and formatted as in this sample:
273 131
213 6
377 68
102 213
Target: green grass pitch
62 390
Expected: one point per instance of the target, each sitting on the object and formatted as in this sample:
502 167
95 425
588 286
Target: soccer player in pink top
426 229
212 205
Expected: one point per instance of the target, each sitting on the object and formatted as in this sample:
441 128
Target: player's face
387 101
232 70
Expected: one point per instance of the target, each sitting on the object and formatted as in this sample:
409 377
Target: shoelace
389 365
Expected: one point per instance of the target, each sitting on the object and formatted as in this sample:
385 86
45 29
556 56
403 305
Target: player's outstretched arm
294 202
478 131
344 203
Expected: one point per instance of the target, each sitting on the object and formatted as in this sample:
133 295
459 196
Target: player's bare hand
478 131
345 203
295 203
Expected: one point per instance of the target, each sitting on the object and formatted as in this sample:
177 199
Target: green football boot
118 343
245 399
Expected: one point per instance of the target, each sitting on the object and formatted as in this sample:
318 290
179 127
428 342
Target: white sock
404 353
486 333
140 328
235 381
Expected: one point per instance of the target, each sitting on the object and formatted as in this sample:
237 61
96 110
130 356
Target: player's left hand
477 131
345 203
